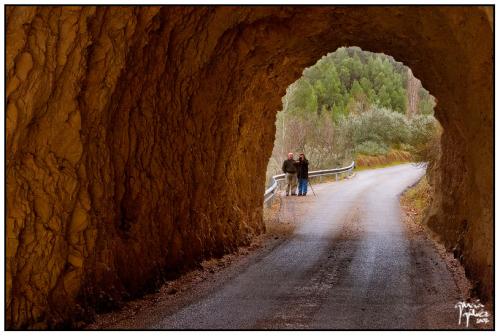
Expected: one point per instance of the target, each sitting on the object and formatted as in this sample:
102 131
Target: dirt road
350 264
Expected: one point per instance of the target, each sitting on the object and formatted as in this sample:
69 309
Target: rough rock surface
136 136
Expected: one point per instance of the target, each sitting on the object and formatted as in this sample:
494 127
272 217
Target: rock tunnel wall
138 137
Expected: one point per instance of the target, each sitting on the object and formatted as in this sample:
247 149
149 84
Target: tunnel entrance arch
127 102
328 112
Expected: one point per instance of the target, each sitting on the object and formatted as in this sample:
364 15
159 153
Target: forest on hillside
354 103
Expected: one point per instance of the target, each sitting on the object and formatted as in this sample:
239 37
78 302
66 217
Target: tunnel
136 136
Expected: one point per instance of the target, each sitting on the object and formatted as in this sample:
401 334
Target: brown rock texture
138 137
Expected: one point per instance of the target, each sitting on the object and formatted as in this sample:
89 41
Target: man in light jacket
290 170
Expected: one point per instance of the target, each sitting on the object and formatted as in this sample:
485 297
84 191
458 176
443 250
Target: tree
303 100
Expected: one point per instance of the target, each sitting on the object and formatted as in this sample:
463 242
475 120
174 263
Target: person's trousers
302 186
291 183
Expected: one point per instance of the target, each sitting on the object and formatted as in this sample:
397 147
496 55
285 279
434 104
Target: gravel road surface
350 264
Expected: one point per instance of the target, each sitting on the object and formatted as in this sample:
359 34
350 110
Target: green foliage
422 127
426 102
301 98
354 102
373 132
350 80
372 148
379 125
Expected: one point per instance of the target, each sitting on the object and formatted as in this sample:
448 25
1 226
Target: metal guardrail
271 191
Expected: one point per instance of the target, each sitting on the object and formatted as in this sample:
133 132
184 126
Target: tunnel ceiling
136 136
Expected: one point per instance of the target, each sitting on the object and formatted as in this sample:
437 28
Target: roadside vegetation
356 105
418 198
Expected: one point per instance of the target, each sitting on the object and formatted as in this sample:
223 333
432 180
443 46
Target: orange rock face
138 137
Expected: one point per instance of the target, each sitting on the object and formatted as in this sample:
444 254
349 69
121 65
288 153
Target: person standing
290 170
303 174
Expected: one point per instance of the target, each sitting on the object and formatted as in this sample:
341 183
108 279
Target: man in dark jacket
290 170
303 174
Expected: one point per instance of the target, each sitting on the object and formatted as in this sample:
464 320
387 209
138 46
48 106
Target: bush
378 125
422 129
331 142
372 148
430 150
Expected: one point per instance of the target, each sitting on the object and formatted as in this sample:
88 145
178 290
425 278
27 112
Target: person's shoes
300 194
294 194
304 194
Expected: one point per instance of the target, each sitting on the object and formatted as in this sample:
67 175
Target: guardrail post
336 177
